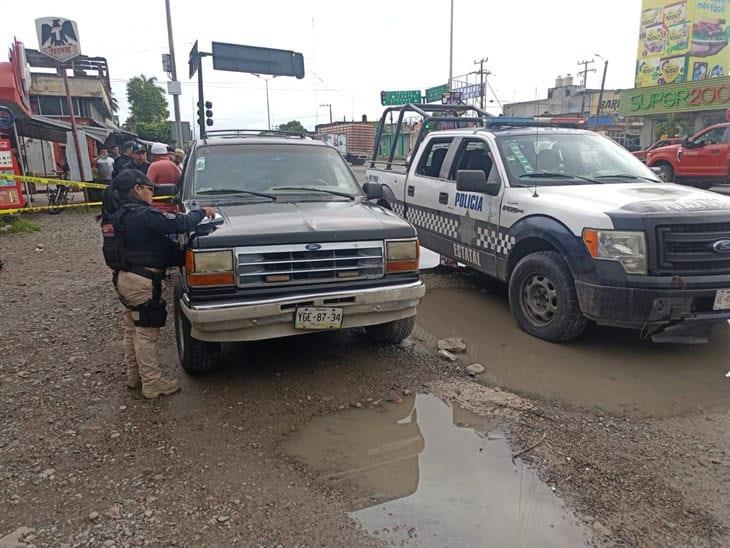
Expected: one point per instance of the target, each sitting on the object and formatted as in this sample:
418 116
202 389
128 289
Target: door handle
411 190
443 198
715 151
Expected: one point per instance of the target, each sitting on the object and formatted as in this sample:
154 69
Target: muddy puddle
427 473
608 368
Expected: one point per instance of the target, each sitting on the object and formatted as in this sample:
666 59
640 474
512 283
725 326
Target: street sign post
254 60
400 97
58 38
434 94
471 91
193 60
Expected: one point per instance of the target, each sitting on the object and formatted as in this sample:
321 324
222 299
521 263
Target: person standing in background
139 159
163 171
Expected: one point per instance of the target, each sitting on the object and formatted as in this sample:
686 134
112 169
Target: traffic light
201 114
208 113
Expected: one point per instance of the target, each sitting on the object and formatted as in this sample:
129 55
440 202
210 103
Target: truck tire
543 298
391 332
666 172
195 356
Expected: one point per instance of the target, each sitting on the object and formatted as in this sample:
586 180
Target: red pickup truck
701 161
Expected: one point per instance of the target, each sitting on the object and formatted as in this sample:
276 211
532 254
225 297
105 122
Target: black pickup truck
299 248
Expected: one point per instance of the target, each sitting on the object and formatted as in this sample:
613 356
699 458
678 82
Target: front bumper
648 307
236 320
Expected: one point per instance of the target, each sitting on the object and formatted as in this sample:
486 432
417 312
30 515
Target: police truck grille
688 249
296 265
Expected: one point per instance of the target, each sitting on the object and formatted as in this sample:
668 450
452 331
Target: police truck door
477 236
424 193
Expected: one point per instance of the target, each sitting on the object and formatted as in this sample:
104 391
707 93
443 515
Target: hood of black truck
271 223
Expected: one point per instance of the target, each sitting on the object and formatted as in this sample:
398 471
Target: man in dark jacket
148 251
139 159
122 161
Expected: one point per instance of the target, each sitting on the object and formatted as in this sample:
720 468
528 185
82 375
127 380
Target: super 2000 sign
696 98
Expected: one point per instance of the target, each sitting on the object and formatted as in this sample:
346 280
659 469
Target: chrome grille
687 248
295 264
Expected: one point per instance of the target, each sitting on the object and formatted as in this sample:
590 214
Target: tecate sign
58 38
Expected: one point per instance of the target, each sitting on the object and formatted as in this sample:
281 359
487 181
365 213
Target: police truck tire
195 356
543 298
391 332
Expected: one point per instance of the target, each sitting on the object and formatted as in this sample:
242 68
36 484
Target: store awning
50 129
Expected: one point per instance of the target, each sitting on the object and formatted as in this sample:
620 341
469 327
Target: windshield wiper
312 189
554 175
234 191
627 176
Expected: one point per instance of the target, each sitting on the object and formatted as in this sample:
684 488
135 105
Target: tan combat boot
160 387
133 378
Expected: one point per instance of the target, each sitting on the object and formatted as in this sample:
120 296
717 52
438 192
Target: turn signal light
590 237
212 278
392 267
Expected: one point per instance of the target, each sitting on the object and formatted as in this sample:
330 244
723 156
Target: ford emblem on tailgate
720 246
317 247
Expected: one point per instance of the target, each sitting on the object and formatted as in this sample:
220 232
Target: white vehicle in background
577 227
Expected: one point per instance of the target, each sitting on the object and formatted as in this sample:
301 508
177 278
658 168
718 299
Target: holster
152 312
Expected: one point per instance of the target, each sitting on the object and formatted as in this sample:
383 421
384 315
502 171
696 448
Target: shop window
50 106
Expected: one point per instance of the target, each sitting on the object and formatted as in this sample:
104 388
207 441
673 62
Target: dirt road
633 438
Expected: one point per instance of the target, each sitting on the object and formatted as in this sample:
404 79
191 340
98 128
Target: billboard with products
683 41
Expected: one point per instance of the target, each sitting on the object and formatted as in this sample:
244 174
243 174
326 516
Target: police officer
148 249
122 161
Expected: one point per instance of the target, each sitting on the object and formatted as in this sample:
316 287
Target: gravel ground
84 461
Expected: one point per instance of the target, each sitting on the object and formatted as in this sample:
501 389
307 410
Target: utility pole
173 74
482 75
603 84
74 129
268 111
585 72
330 106
451 46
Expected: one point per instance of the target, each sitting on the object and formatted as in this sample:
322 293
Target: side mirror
166 190
468 180
373 191
686 143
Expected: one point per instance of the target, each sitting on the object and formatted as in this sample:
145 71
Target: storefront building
692 107
682 78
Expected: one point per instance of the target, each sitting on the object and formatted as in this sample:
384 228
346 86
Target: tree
158 132
147 102
294 125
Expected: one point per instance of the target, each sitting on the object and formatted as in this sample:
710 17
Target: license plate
318 318
722 299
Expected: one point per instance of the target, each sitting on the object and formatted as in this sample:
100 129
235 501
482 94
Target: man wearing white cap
162 171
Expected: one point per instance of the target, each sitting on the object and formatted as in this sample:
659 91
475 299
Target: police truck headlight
209 268
401 256
624 247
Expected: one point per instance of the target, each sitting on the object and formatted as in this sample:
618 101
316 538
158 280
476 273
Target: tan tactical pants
140 343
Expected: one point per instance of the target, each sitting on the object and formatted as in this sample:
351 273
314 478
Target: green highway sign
400 97
435 94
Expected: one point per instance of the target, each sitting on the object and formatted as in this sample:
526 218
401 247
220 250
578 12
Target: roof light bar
534 121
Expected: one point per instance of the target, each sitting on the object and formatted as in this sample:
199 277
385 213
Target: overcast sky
352 50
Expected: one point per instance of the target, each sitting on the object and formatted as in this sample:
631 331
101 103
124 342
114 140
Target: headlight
401 256
627 248
209 268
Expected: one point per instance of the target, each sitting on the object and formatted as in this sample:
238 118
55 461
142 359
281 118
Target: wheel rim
539 299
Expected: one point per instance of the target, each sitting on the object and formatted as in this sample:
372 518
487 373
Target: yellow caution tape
46 208
46 181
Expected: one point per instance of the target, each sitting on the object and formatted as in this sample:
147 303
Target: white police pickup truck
579 228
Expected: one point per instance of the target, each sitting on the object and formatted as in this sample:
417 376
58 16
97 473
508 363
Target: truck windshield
314 172
553 158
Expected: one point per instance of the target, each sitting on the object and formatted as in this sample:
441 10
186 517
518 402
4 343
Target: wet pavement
424 472
608 368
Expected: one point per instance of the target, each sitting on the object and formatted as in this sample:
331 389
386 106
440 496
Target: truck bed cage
429 113
232 133
434 113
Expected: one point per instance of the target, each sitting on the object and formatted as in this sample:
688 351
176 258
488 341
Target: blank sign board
277 62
